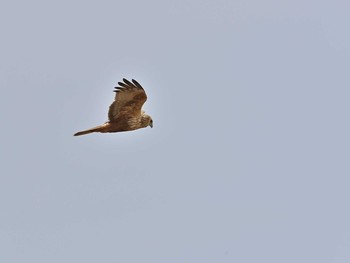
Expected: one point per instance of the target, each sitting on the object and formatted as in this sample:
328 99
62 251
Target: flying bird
125 112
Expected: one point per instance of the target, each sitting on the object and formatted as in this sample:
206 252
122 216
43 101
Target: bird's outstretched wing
129 98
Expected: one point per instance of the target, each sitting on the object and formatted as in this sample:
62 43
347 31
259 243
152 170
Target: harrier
125 112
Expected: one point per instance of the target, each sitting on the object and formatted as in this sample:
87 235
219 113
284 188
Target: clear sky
248 160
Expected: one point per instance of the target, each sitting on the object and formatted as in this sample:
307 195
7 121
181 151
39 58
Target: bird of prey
125 112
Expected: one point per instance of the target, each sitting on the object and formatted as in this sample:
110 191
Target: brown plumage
125 112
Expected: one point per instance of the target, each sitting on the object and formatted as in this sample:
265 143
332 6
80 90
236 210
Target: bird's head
146 120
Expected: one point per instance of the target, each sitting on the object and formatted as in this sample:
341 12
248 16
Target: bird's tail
100 128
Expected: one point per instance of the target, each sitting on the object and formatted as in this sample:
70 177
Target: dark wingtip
118 88
123 84
127 82
137 84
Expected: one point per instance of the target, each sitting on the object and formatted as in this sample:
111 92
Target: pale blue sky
248 160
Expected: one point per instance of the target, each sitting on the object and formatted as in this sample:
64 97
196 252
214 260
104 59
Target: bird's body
125 112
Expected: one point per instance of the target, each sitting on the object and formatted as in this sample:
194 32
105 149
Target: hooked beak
151 125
